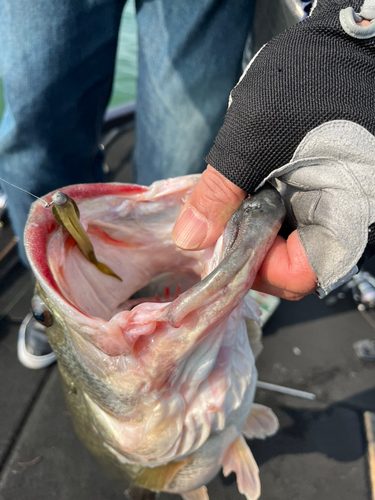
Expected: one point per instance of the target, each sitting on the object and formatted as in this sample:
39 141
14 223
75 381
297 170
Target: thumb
207 211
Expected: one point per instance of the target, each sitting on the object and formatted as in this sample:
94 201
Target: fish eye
41 312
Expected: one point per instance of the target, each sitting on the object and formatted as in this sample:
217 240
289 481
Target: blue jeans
57 62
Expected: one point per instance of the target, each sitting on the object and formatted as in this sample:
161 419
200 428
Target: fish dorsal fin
239 459
261 422
199 494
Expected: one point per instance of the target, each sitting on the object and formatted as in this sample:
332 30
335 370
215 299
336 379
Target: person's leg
57 62
190 55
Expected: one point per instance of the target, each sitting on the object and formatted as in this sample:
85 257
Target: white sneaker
33 348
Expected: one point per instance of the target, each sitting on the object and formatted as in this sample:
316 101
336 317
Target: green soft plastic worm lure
66 213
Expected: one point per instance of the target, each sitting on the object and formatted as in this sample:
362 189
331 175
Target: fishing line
46 205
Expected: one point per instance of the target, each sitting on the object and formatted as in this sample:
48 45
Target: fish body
157 369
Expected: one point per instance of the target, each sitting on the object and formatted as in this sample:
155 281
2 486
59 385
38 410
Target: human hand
285 271
295 118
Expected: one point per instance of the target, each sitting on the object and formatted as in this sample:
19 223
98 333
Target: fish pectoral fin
239 459
261 422
199 494
158 478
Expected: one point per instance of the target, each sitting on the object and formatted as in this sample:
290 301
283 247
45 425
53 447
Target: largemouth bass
157 369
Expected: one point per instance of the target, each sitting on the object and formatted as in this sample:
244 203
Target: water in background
126 63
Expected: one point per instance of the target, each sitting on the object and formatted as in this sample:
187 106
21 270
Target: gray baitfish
152 342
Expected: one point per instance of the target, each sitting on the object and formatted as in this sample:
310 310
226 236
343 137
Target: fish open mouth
139 284
129 228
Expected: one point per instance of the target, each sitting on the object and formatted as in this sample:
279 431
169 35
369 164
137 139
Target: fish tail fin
239 459
199 494
261 422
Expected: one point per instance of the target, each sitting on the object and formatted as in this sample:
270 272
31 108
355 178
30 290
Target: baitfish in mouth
154 354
